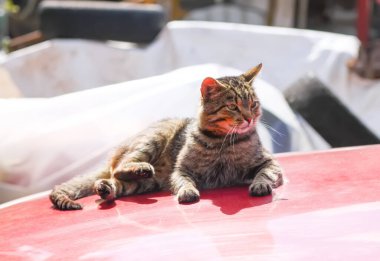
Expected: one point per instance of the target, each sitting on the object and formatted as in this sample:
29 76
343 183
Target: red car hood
329 209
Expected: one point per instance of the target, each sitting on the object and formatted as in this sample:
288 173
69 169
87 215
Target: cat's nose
247 116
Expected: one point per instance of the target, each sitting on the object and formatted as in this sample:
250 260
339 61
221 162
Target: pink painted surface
328 210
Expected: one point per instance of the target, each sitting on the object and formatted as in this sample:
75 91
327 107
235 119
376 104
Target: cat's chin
243 130
245 127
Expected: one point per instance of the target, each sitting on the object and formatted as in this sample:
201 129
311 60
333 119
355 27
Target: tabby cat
219 148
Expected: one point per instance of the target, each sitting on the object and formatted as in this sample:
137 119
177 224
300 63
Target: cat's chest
220 166
221 171
229 159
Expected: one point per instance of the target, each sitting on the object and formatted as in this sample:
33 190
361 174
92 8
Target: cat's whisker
274 140
232 134
233 143
224 140
270 128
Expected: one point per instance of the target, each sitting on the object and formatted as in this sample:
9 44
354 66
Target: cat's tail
63 196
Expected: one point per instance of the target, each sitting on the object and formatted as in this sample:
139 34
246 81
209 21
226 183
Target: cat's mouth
244 127
234 127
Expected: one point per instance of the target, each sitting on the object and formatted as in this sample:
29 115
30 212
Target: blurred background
19 17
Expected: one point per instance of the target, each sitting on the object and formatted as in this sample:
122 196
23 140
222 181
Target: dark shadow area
229 200
143 199
106 205
232 200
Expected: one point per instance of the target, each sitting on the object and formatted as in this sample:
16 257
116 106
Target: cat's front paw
259 189
105 189
133 171
188 195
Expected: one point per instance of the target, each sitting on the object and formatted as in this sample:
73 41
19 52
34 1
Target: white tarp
45 141
62 66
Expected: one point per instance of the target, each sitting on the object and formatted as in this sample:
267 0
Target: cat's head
230 104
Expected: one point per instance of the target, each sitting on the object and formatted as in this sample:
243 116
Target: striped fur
220 148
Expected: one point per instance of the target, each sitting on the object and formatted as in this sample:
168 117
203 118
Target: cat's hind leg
130 171
134 160
110 189
63 196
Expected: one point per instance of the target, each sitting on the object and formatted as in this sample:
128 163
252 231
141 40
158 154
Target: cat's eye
232 107
254 105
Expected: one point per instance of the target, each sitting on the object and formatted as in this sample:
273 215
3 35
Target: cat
220 148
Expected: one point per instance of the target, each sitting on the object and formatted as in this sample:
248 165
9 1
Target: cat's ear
250 75
209 86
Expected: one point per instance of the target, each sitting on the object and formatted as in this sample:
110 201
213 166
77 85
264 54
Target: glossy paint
329 209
